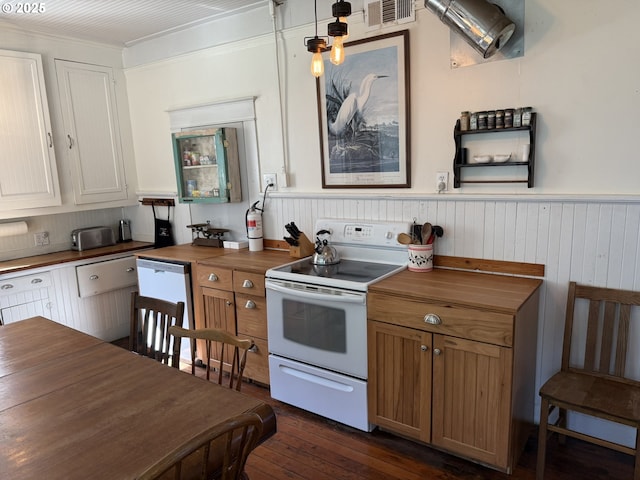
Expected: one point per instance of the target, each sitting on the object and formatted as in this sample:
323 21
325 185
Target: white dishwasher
169 281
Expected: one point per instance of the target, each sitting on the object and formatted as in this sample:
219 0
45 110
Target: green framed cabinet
207 165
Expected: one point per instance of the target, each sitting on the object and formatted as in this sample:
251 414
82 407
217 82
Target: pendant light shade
316 45
481 24
339 30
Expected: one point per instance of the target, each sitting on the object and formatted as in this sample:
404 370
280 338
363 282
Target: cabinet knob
36 280
229 303
250 304
130 269
7 286
94 277
437 351
253 348
424 348
213 277
247 284
432 319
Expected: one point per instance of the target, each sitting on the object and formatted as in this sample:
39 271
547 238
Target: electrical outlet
269 178
442 182
41 239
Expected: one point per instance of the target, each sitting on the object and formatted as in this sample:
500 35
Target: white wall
582 218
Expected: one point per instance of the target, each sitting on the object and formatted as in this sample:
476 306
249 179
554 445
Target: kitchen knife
291 241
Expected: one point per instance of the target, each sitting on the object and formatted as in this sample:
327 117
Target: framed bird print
363 110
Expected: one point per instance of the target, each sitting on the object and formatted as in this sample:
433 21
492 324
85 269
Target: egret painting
364 118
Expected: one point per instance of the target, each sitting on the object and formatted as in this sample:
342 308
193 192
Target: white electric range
317 319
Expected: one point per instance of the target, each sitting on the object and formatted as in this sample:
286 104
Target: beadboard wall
590 241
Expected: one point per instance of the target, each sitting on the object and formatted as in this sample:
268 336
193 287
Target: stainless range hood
481 24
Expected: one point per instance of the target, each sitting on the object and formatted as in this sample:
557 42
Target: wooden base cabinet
399 382
471 392
452 360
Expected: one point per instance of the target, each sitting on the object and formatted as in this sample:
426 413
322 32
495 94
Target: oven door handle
342 298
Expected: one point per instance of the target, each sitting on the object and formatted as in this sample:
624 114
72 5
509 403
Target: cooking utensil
427 230
325 253
405 239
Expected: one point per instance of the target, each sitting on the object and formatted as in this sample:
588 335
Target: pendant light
316 45
339 30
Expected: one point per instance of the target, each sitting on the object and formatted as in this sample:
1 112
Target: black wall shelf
459 160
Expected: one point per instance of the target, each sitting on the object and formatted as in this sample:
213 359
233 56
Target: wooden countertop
37 261
498 293
186 253
258 262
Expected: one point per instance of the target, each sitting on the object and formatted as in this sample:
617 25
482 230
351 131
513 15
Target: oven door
319 326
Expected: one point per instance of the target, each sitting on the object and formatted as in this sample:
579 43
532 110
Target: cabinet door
399 385
88 102
29 174
218 312
471 392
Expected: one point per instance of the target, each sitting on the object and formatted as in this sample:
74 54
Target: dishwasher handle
159 266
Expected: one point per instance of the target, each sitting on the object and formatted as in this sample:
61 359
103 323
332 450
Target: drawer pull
250 304
7 286
36 280
130 269
213 277
437 351
247 284
228 303
424 348
94 277
253 348
432 319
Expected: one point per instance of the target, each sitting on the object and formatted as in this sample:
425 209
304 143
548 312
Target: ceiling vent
384 13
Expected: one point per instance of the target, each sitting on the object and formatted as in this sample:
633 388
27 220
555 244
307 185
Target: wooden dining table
75 407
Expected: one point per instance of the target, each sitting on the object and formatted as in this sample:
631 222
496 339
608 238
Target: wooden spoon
426 233
404 239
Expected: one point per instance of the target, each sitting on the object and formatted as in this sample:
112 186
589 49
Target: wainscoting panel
595 242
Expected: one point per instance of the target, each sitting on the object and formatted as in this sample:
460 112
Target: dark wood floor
313 448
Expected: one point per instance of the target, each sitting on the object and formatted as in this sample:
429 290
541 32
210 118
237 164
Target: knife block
304 249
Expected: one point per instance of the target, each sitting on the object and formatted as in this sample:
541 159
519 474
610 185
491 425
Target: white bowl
482 158
502 158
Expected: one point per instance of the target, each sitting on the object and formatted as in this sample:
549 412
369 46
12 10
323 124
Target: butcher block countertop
257 262
48 259
185 253
497 293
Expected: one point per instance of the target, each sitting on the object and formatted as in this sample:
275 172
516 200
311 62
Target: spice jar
499 118
517 118
491 119
465 121
526 116
482 120
508 118
474 121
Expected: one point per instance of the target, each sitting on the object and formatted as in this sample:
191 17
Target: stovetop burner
348 270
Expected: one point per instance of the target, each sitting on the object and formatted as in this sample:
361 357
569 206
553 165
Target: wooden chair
219 452
596 384
216 341
150 322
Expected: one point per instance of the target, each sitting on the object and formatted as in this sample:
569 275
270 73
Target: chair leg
562 422
542 438
636 471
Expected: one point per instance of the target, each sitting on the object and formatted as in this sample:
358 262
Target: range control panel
359 232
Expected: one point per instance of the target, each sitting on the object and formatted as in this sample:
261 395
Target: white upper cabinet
92 131
29 176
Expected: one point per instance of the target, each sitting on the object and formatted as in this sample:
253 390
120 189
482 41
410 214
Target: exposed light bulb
346 35
337 51
317 65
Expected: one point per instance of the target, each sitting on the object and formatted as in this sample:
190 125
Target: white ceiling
120 22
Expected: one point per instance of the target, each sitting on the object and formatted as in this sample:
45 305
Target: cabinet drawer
251 316
257 367
472 324
101 277
214 277
248 283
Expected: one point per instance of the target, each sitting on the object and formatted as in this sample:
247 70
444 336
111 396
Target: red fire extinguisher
254 228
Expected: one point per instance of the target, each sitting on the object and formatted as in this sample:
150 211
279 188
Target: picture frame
363 115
